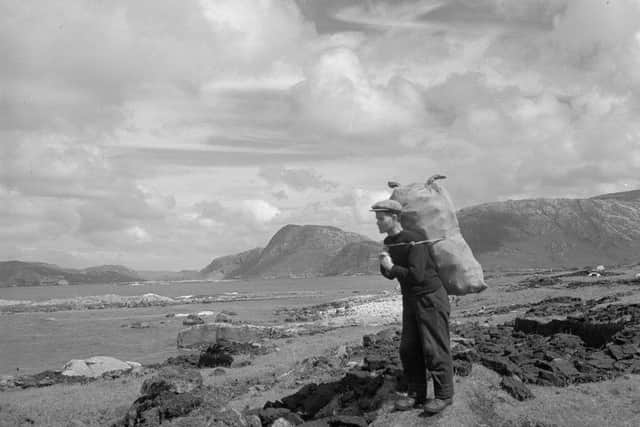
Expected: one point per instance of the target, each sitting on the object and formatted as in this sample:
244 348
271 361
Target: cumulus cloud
257 32
252 212
359 202
338 96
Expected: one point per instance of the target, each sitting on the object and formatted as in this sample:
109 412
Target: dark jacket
413 266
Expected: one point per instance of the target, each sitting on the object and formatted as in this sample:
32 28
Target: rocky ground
543 349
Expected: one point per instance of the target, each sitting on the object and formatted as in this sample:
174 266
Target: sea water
37 341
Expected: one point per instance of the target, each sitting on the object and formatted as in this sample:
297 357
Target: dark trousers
425 343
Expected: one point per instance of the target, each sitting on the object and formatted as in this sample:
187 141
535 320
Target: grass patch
94 404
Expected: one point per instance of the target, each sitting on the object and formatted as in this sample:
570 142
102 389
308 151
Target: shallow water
34 342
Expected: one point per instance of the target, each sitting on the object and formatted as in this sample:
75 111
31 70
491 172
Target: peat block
352 395
215 355
602 343
593 334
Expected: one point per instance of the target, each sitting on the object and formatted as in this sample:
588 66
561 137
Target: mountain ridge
558 233
503 235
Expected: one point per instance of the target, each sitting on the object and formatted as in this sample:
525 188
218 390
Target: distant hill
301 251
19 273
555 232
355 258
231 266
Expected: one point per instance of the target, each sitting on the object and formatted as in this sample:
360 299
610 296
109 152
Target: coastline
334 349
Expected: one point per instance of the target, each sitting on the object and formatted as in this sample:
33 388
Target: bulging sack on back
428 208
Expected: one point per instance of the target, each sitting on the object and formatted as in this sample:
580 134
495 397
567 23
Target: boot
434 406
416 397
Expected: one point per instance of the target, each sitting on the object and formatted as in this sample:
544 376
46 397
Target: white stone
94 367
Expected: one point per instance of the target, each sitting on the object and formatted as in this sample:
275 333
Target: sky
161 134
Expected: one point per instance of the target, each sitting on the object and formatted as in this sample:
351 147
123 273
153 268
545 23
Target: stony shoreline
100 302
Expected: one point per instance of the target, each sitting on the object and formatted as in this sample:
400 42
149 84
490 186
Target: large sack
428 209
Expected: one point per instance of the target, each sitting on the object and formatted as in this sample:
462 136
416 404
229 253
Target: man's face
385 221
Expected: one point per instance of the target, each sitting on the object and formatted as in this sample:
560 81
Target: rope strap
420 242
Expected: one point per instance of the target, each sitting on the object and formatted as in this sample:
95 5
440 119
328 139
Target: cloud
128 129
251 212
93 86
297 179
339 97
359 202
384 14
280 195
616 29
257 32
139 234
58 166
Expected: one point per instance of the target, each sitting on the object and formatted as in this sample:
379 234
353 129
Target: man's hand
385 261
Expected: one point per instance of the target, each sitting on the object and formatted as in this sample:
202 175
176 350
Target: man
425 311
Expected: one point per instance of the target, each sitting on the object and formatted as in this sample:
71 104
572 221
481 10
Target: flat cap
387 206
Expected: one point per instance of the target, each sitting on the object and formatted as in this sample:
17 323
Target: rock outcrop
172 392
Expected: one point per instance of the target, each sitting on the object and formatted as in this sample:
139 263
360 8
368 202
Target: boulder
269 415
94 367
223 318
226 417
172 392
253 421
136 367
373 363
140 325
215 355
212 333
192 319
7 381
173 379
281 422
347 421
462 368
153 410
